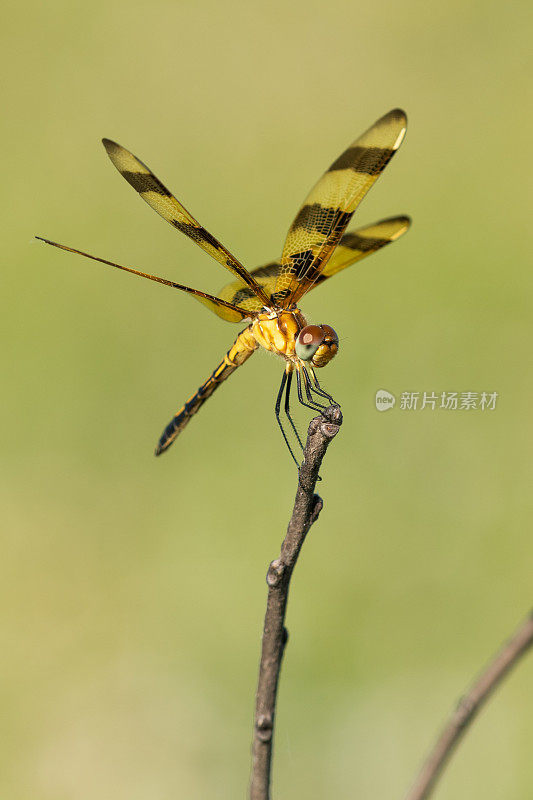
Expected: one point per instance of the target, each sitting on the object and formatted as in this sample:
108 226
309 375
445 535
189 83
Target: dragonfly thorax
286 333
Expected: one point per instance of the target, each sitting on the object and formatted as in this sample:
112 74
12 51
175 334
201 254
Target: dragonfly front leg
310 402
317 387
309 390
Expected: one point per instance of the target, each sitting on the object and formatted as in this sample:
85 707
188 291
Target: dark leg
278 406
311 404
318 388
309 390
287 408
314 407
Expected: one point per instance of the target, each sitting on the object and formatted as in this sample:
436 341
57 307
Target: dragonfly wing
329 206
360 243
161 200
352 247
239 295
240 352
218 306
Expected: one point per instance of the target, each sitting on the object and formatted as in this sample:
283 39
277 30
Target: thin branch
307 507
468 707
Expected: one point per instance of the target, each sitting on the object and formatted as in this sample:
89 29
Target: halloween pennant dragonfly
316 248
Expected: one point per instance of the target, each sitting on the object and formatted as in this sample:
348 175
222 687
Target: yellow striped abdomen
243 347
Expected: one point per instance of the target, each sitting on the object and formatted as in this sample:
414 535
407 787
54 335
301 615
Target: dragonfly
267 298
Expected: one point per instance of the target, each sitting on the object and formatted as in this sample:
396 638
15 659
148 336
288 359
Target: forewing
161 200
329 206
218 306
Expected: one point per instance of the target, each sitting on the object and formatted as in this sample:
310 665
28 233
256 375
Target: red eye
309 340
311 334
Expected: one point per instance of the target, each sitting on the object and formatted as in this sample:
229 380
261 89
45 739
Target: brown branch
468 707
307 507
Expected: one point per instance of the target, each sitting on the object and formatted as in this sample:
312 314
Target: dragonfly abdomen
243 347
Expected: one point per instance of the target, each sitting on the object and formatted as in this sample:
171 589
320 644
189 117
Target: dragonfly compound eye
327 349
309 340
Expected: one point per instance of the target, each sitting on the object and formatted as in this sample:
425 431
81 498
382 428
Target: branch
468 707
307 507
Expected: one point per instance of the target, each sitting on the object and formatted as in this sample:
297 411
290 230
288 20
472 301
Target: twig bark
467 708
307 507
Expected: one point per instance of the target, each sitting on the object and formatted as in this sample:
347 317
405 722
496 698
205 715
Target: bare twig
307 507
468 707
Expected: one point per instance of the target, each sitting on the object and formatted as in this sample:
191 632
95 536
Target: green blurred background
133 588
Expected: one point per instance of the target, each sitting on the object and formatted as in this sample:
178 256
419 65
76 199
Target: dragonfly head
317 344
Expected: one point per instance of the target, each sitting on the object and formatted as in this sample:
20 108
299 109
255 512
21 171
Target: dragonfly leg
313 407
309 391
278 418
287 407
317 387
311 403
